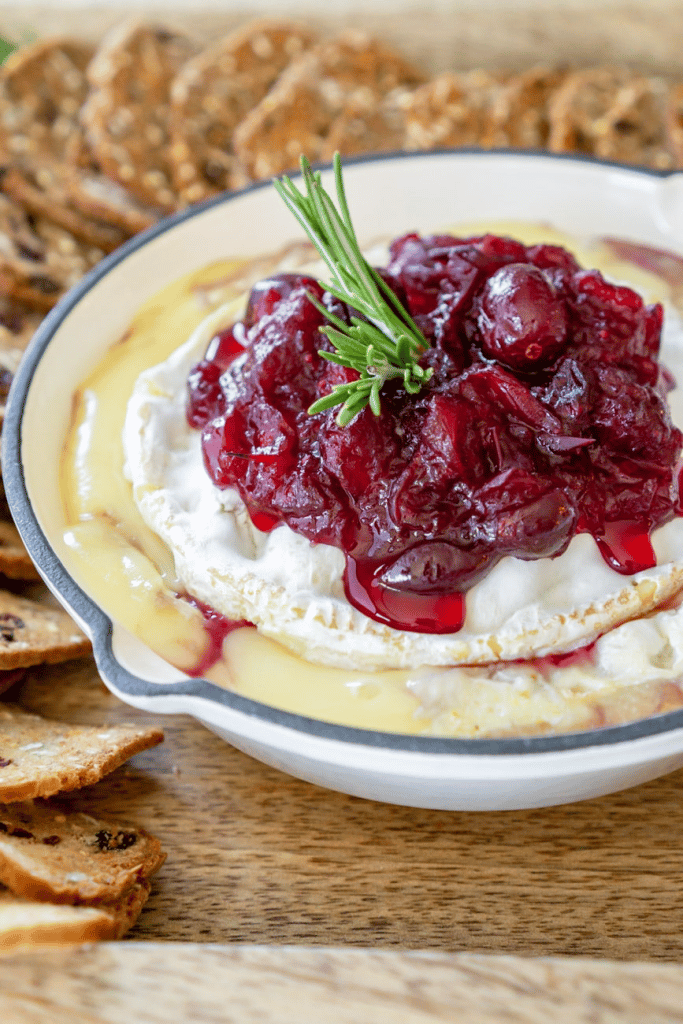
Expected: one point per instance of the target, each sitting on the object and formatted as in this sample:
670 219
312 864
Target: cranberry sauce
217 628
545 416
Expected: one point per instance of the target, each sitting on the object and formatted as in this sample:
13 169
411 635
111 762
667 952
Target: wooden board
257 857
164 984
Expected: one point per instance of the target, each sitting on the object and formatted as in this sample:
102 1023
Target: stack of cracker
66 876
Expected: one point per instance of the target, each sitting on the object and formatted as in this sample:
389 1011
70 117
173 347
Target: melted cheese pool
631 672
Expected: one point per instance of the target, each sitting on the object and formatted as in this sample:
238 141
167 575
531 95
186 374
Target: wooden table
257 857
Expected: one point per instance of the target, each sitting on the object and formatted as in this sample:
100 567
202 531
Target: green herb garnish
6 48
386 347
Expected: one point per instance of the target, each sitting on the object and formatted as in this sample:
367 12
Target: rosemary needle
386 345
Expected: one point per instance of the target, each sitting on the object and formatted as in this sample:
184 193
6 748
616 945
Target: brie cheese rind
292 589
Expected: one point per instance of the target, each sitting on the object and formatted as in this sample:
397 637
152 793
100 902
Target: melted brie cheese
292 589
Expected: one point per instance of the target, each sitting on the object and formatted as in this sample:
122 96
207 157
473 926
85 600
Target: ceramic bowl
388 195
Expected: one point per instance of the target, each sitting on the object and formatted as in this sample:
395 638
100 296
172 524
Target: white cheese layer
292 589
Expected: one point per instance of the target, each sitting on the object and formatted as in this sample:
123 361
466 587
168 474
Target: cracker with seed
27 924
451 110
297 114
50 852
609 113
42 87
39 260
15 561
42 189
127 113
519 113
379 127
39 757
32 634
215 90
18 324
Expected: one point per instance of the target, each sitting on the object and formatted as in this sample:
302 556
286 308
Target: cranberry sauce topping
217 628
545 416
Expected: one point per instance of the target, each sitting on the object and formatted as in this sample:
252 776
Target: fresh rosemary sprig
389 343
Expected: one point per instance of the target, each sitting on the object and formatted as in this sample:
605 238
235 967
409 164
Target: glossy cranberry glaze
545 416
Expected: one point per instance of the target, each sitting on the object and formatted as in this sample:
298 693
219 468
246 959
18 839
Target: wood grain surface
257 857
165 984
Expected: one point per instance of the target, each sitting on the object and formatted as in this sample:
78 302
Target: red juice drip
217 628
626 547
414 612
581 656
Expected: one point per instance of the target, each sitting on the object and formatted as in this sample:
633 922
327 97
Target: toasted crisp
33 633
49 852
42 87
126 116
18 324
451 110
38 259
27 924
609 113
519 113
379 127
43 189
297 114
215 90
15 561
39 758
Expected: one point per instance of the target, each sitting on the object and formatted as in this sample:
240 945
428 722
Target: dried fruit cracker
609 113
15 561
377 127
42 87
296 115
519 114
215 90
26 924
126 115
49 852
451 110
33 633
39 758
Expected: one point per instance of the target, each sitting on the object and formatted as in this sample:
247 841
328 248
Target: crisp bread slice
50 852
38 259
519 112
42 87
27 924
375 127
39 757
215 90
453 109
609 113
42 188
15 561
32 634
127 113
297 114
674 122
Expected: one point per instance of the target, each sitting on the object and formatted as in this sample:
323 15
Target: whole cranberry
523 321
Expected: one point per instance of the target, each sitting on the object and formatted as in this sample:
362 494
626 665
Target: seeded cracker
609 113
26 924
42 87
39 758
214 91
519 115
379 127
33 633
126 115
49 852
451 110
297 114
38 261
15 561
